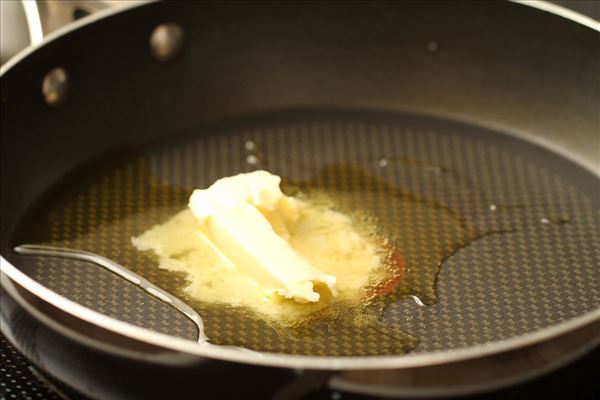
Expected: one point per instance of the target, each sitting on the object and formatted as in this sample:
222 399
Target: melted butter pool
331 241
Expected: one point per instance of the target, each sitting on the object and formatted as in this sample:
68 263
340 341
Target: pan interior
497 237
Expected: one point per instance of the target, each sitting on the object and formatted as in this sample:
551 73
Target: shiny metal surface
166 41
55 87
124 273
22 311
55 14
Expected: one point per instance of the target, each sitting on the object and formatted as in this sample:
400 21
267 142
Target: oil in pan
487 234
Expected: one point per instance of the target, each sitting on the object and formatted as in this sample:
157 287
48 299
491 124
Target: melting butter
230 218
330 241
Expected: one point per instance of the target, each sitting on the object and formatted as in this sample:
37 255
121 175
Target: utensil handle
150 288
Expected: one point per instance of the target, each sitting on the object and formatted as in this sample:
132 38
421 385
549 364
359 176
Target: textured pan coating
513 227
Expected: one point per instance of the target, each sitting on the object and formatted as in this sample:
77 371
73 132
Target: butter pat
246 217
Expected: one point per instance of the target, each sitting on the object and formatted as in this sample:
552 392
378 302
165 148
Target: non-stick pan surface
498 236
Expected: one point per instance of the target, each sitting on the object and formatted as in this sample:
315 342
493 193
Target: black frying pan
469 131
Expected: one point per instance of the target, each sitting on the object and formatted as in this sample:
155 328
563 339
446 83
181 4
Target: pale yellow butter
245 217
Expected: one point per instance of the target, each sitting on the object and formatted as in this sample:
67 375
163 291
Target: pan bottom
498 237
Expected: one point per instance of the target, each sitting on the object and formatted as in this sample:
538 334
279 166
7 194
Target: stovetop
19 379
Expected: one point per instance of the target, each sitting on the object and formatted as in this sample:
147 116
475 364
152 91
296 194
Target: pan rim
410 360
541 5
283 360
561 11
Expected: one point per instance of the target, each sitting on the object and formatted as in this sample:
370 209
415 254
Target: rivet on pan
249 145
252 159
433 46
166 41
55 87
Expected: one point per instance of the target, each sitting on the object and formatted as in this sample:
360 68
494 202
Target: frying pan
468 130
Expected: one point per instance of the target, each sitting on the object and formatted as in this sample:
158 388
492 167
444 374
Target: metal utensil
106 263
